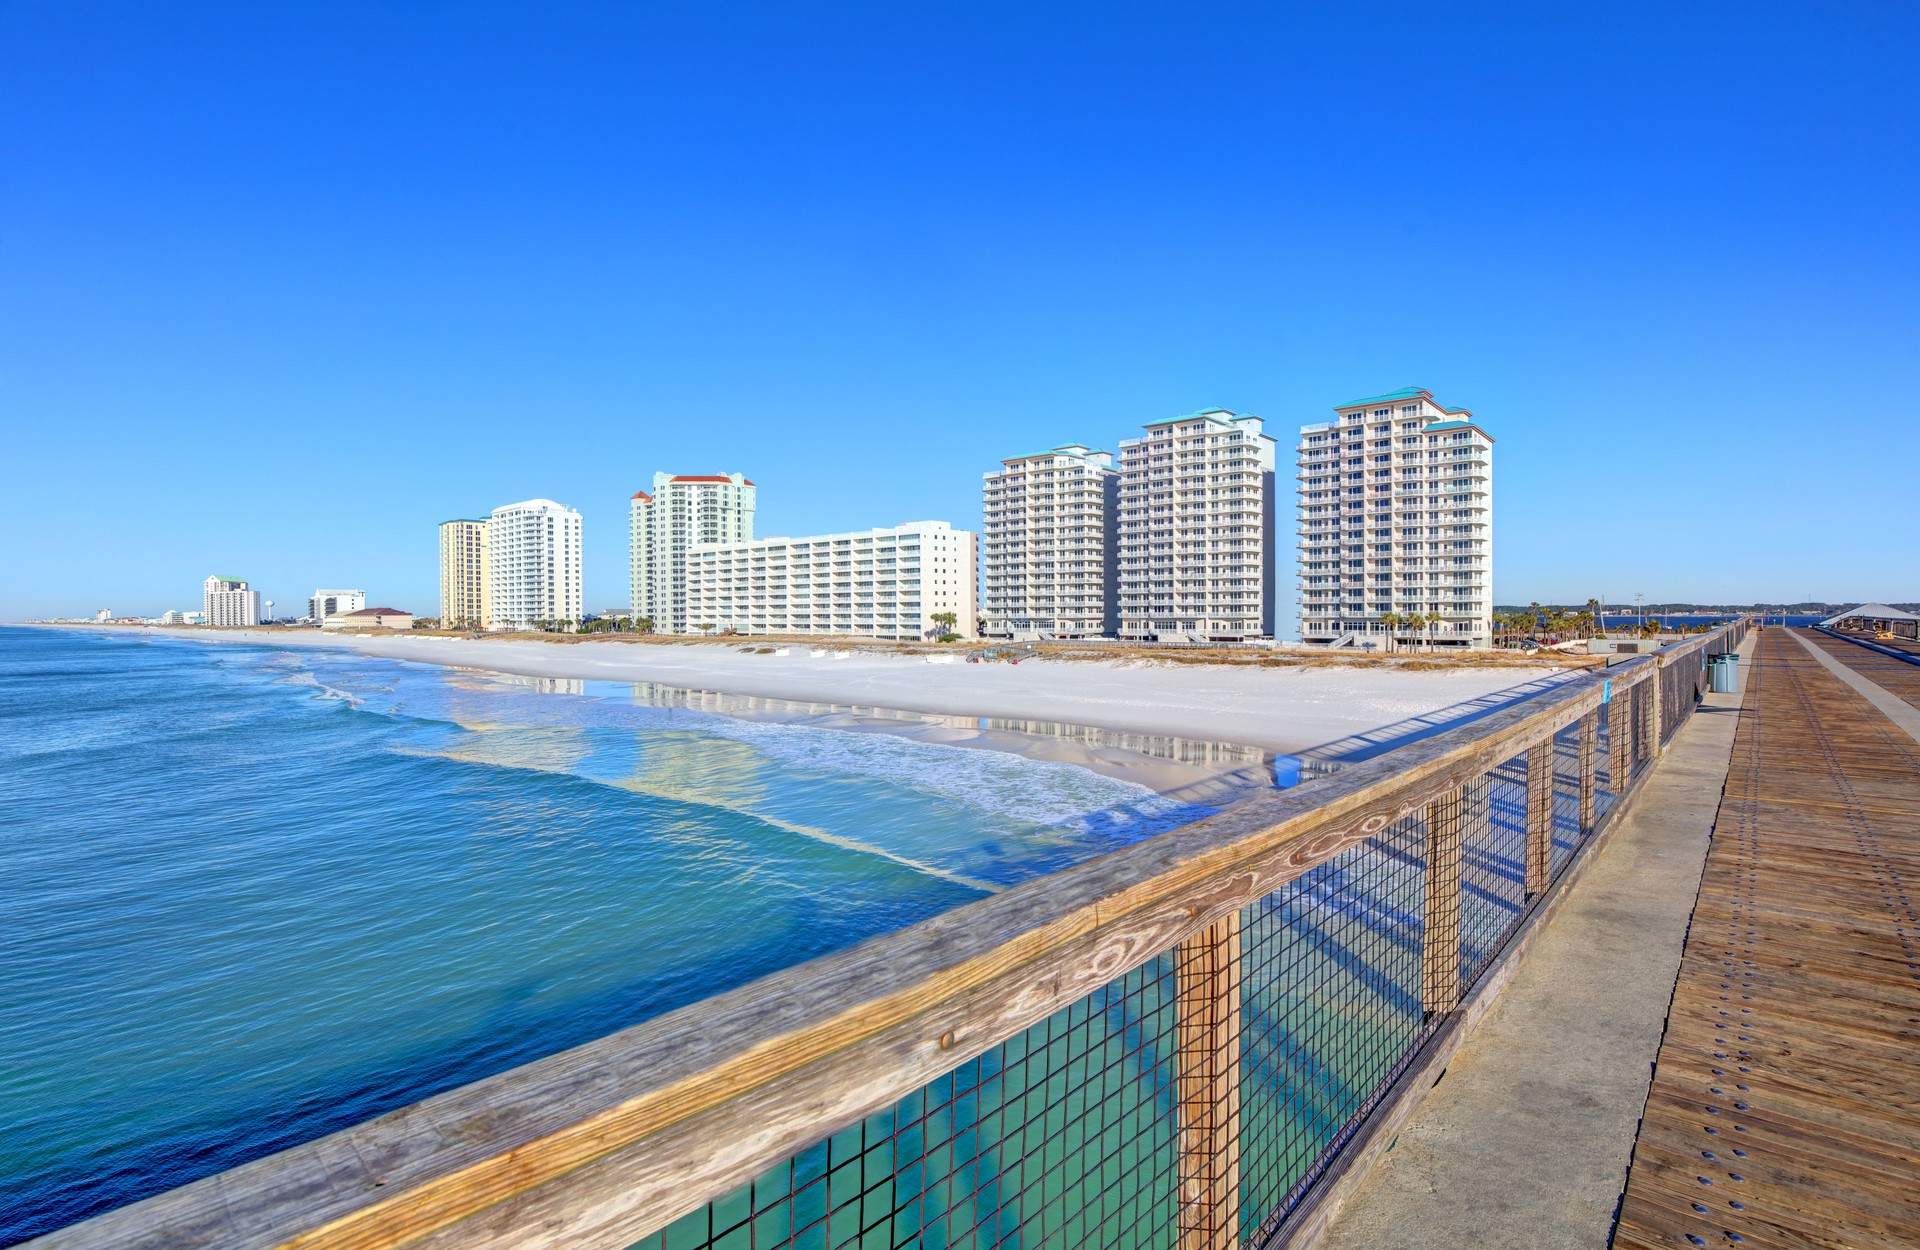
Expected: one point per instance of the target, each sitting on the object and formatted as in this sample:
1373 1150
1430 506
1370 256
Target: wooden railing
1170 1045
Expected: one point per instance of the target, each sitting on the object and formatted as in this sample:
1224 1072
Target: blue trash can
1724 673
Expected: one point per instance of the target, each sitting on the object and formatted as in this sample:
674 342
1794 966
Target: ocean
253 894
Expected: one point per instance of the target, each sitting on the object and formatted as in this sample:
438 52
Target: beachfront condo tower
464 575
1396 525
533 565
227 601
683 510
1195 531
878 583
1048 559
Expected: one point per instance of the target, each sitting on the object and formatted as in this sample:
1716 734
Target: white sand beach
1279 709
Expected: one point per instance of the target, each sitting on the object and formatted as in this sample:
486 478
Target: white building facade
1195 531
325 603
533 558
879 583
227 601
1048 560
1396 524
683 510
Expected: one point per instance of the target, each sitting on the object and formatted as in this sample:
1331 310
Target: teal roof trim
1056 451
1204 413
1407 392
227 577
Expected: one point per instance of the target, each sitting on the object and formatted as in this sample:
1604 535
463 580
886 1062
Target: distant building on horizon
324 603
534 564
1048 561
1195 534
1396 519
879 583
464 575
228 601
683 510
103 614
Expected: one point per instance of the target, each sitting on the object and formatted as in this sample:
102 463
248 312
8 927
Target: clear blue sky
284 285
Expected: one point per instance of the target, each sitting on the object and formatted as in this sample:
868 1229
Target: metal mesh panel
1332 1011
1606 790
1062 1136
1195 1100
1566 796
1493 863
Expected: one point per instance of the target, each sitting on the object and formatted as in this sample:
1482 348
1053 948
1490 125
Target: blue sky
283 286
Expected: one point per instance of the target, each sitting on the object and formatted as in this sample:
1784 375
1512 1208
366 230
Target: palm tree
1433 620
705 629
946 621
1392 621
644 624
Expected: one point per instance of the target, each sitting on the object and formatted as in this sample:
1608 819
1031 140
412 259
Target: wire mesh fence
1192 1103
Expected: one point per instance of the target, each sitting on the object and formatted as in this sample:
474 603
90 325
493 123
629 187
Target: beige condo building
464 575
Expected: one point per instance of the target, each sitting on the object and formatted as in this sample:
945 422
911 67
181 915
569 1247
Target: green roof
227 577
1405 392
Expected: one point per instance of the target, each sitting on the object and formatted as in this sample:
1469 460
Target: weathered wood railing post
1660 681
1208 965
1440 960
1539 817
1620 741
1589 768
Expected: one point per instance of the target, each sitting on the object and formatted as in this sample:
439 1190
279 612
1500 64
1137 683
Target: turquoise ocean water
251 895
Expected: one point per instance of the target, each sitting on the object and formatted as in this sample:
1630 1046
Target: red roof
709 478
640 494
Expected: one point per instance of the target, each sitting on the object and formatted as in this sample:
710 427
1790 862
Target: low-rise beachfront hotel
1195 533
684 509
1047 553
1396 523
878 583
533 564
324 603
227 601
464 575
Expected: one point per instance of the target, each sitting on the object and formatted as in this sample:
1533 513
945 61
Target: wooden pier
1785 1104
1895 676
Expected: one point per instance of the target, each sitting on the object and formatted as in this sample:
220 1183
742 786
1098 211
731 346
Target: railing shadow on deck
1174 1045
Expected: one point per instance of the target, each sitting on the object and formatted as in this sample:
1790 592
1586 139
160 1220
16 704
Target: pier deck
1896 677
1785 1105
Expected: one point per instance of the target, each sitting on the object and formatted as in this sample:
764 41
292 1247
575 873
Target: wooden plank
1785 1106
603 1144
1208 967
1440 951
1539 818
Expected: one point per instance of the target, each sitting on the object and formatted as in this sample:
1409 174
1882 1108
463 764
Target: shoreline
1286 711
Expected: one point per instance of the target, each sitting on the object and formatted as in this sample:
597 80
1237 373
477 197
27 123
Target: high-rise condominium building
227 601
682 510
1047 545
533 564
879 583
324 603
1195 530
464 575
1396 521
